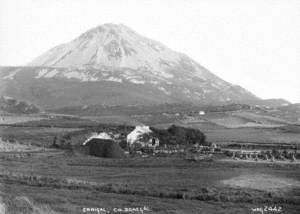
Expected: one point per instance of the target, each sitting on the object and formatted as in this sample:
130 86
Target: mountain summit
113 65
108 45
117 46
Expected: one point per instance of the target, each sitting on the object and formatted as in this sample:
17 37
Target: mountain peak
112 45
107 27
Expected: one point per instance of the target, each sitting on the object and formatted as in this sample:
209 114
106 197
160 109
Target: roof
98 141
102 135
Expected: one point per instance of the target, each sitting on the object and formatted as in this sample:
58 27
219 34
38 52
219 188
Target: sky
252 43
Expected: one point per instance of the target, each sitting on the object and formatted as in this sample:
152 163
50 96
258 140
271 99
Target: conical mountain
117 66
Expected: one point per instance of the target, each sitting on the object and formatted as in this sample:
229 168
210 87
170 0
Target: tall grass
204 194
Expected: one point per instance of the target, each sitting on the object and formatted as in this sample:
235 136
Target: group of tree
180 135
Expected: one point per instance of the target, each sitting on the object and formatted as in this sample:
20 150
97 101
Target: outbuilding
103 146
201 112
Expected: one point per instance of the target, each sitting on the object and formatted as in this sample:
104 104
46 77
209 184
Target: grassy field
38 136
63 181
154 182
73 201
12 119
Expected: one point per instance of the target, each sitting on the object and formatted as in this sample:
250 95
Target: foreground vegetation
139 179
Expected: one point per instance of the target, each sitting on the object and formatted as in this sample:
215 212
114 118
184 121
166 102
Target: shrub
180 135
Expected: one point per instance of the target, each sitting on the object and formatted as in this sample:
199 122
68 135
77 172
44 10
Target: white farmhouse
142 135
201 112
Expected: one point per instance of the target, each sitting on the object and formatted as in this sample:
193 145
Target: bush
180 135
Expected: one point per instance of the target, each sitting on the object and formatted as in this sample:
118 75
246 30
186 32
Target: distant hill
291 112
276 102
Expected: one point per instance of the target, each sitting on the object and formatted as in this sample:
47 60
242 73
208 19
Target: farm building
103 145
102 135
142 136
201 112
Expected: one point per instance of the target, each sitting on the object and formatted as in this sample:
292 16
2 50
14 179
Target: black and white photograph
149 106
